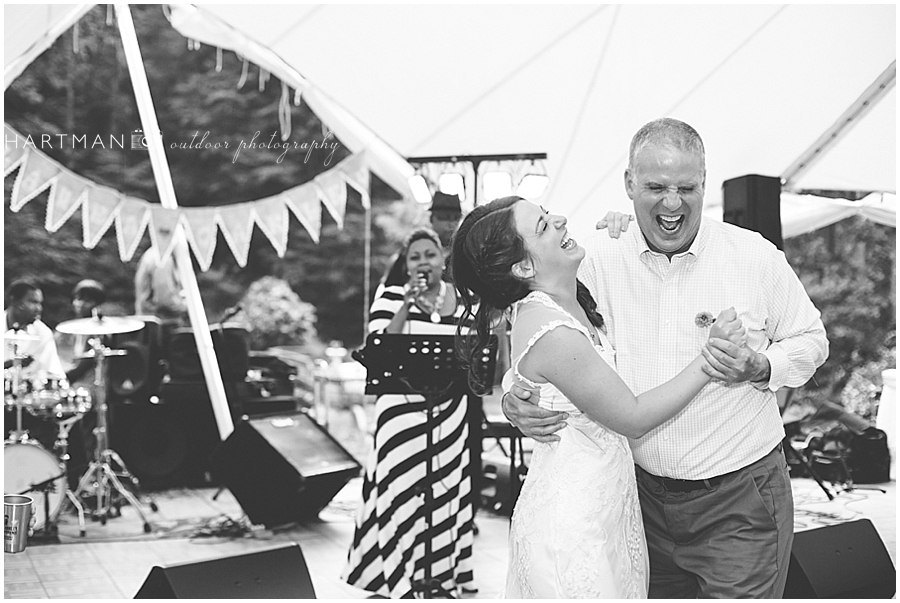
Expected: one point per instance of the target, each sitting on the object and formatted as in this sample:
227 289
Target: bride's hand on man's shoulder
615 222
519 404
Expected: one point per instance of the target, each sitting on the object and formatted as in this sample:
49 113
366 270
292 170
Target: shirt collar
694 250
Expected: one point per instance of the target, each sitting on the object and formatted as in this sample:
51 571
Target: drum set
29 468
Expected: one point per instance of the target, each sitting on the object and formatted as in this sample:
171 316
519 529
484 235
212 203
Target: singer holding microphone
390 523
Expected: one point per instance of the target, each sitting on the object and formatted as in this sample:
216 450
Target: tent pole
167 198
367 263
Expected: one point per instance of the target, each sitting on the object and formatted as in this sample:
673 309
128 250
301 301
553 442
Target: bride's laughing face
547 240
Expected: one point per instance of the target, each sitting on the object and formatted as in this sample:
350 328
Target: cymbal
106 325
19 337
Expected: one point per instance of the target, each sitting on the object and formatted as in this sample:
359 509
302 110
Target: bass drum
27 464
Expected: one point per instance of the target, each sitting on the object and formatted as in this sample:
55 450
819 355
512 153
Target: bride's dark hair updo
484 249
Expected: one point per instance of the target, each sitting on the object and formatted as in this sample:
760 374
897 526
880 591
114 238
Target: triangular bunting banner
271 215
356 172
103 206
131 220
36 175
236 222
303 201
333 191
13 149
201 233
163 222
98 212
68 192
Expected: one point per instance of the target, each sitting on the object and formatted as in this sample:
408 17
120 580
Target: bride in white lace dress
576 530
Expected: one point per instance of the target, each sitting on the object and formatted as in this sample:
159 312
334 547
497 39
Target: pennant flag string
104 207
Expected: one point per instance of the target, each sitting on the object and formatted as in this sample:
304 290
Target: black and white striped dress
388 549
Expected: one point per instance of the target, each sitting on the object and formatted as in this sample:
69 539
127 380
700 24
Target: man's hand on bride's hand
728 358
520 407
616 222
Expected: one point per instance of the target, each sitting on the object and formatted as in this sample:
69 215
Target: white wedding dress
576 530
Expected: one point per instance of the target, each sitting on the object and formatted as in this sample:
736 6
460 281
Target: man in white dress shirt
27 337
714 485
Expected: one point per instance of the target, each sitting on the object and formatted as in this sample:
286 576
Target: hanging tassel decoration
263 79
245 70
218 60
284 111
109 15
75 38
297 97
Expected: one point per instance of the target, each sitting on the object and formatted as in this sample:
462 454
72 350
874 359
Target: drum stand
62 444
100 479
19 435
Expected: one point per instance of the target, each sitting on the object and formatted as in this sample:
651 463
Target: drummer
35 344
28 338
87 296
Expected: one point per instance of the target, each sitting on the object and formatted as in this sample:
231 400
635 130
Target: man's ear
629 184
523 269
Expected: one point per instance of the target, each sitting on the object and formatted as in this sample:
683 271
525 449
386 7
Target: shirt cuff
778 370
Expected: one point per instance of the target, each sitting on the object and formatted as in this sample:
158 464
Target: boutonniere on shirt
704 319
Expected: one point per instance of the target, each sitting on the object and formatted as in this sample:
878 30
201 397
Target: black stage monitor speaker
843 561
273 574
754 202
282 468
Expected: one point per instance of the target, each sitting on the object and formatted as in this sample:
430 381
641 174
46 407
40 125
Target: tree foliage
89 93
848 271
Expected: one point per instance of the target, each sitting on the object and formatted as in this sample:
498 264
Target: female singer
387 553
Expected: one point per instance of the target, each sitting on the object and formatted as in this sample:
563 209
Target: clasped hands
726 353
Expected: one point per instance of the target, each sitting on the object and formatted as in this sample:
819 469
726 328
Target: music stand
426 365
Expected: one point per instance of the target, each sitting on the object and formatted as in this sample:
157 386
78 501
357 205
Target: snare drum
44 395
75 402
28 464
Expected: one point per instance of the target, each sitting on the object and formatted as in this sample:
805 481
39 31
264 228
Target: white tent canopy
761 83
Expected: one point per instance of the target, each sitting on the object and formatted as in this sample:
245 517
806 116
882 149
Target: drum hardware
48 529
25 459
62 445
17 384
29 467
100 480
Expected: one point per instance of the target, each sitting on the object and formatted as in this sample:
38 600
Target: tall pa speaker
273 574
754 202
843 561
282 468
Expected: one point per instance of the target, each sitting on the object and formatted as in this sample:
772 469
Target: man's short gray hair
667 131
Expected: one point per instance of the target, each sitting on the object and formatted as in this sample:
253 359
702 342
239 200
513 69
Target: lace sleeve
532 319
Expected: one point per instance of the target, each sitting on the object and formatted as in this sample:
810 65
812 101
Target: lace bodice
556 316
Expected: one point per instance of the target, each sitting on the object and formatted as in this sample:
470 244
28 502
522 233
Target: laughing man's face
666 186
